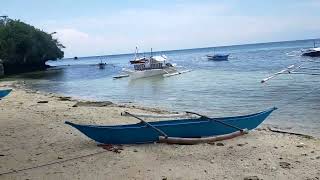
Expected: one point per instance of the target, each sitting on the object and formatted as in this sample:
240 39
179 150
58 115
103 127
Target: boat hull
148 73
312 54
185 128
218 57
5 92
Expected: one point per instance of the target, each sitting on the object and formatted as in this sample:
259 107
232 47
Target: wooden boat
4 92
150 66
218 57
312 52
149 132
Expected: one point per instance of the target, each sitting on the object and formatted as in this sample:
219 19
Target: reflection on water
214 88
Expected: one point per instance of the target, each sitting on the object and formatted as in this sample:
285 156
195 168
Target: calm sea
213 88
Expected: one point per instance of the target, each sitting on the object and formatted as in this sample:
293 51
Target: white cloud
174 27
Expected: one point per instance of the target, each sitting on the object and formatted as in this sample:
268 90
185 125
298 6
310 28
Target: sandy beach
36 144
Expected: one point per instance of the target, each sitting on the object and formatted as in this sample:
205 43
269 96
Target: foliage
21 44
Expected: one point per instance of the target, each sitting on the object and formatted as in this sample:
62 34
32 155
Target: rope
48 164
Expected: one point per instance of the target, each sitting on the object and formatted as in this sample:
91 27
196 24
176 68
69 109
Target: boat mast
136 53
151 52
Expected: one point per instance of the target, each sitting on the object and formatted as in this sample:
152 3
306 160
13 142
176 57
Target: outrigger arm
289 69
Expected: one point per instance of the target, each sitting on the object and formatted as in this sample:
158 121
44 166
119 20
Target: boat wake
294 53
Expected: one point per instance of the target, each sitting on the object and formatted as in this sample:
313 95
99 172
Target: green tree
25 48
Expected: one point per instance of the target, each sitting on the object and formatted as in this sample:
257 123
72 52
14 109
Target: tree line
25 48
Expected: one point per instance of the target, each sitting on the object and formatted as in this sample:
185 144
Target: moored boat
149 132
312 52
218 57
149 66
4 92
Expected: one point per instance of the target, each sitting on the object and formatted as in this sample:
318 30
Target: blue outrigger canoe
144 132
218 57
4 93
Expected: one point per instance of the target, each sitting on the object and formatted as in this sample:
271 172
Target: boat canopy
160 58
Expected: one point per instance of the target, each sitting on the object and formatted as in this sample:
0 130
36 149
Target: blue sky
111 27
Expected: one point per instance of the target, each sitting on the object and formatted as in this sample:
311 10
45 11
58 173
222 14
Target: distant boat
102 65
312 52
185 129
218 57
4 92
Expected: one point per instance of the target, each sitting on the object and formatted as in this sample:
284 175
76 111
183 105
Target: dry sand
33 134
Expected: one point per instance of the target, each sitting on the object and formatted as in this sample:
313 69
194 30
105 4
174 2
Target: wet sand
33 137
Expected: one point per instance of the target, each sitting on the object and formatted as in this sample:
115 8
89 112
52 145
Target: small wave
294 53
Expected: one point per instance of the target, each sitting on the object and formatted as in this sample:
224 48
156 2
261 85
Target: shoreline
33 134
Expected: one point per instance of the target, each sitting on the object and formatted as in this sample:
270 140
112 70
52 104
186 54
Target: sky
101 27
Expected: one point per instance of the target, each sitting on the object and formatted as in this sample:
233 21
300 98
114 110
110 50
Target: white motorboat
152 66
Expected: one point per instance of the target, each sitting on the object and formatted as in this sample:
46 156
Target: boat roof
160 58
313 49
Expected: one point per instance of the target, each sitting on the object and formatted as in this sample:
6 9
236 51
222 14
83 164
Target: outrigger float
182 131
308 67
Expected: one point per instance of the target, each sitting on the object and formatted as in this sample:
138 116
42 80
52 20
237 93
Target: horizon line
121 54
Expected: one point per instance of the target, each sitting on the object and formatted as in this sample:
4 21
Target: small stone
164 178
304 154
300 145
211 161
43 101
273 168
241 144
64 98
285 165
135 150
275 147
318 157
259 159
60 157
251 178
312 152
220 144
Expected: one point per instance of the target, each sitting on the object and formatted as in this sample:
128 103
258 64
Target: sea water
216 89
